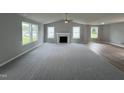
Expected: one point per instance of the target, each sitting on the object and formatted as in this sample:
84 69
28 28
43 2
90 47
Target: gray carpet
63 62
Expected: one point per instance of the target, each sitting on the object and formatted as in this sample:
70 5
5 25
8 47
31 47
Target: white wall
11 36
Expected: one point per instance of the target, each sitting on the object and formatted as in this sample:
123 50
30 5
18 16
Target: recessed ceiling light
102 23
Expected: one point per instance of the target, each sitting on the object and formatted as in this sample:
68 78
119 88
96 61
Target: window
29 33
94 32
35 32
26 34
76 32
50 32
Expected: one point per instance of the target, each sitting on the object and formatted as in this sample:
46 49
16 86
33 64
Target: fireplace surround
63 37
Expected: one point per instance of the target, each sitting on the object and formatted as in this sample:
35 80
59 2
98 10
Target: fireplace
63 37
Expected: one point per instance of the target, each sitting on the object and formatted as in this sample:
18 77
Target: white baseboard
11 59
114 44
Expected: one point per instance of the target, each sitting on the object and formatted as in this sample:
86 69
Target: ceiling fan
66 19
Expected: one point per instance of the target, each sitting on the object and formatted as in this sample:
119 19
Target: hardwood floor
115 55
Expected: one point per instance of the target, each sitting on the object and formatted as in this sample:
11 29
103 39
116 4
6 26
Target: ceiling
83 18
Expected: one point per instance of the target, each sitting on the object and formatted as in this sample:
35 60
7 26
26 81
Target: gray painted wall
106 33
61 27
11 36
113 33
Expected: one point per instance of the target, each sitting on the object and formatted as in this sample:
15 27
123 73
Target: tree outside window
94 32
29 33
